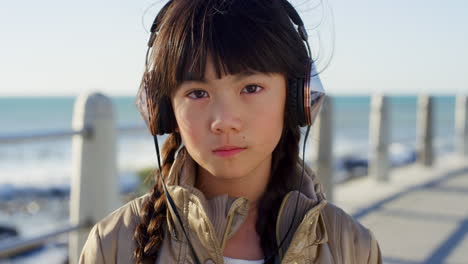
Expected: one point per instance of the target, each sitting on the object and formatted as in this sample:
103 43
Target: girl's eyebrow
237 77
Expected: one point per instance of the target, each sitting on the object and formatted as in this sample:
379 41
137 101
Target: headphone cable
172 204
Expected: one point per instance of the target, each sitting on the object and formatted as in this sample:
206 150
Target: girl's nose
226 119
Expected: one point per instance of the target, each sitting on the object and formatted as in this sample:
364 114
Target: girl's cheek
190 120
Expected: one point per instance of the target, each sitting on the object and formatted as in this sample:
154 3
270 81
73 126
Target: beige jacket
324 234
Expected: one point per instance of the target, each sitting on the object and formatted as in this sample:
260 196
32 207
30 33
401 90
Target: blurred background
53 51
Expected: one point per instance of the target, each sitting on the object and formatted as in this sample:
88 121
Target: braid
149 233
285 157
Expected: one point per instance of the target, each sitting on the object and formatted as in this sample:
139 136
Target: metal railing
15 246
94 135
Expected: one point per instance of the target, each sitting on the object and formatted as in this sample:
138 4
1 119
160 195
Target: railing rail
14 246
87 132
40 135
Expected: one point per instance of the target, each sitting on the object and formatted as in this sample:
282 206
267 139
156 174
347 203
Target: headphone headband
157 22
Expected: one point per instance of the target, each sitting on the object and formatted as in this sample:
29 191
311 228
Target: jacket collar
216 220
308 227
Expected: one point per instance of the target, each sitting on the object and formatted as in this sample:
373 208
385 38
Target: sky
64 48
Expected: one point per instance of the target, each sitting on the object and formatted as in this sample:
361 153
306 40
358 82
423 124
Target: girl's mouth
228 152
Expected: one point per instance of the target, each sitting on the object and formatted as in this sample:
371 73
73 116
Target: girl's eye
197 94
252 88
249 89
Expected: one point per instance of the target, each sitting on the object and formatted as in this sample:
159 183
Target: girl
230 82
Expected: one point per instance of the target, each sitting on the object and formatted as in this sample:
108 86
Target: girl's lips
228 153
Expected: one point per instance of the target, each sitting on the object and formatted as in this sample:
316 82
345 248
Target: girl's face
243 111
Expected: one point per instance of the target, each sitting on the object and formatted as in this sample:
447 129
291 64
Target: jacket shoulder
350 239
111 239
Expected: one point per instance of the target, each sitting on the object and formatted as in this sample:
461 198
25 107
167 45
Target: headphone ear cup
292 96
166 121
300 102
296 95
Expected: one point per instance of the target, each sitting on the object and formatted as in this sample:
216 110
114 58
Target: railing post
379 138
461 125
425 151
94 182
323 146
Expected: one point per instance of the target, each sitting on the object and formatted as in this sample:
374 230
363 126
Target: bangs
239 36
233 39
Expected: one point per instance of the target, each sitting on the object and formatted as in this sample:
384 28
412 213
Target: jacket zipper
228 227
226 231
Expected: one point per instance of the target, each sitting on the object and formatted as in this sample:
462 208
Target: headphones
305 98
306 94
